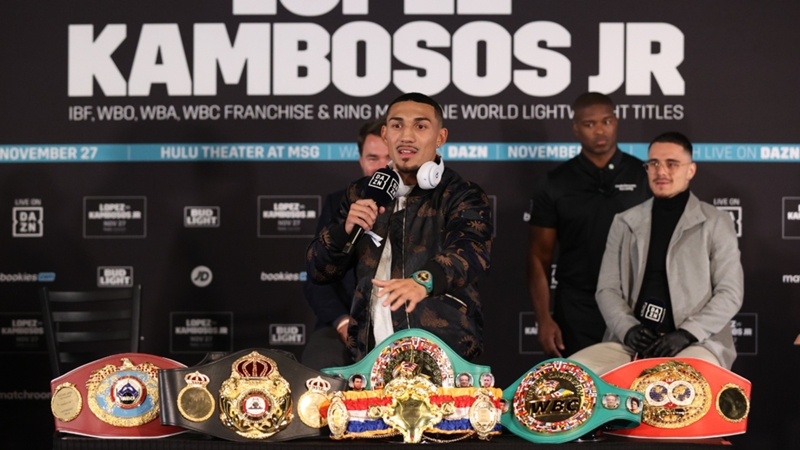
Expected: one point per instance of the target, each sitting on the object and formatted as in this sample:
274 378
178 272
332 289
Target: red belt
113 397
685 398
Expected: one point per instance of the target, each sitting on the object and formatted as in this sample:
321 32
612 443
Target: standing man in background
680 256
327 347
574 206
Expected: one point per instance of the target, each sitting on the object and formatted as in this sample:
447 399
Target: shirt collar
612 164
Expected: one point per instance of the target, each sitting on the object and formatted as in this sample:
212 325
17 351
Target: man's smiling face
412 133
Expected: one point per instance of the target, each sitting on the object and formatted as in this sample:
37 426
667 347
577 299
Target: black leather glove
639 338
670 344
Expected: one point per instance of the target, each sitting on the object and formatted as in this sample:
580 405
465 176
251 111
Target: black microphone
382 188
652 315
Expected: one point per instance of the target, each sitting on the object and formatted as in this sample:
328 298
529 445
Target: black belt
251 395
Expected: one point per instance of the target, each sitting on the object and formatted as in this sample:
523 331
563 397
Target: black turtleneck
665 216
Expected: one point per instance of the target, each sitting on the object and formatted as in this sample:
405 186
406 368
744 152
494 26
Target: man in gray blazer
673 255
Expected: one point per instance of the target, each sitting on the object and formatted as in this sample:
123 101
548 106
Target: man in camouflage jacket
445 231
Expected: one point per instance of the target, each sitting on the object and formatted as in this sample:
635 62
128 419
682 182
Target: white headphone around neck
429 174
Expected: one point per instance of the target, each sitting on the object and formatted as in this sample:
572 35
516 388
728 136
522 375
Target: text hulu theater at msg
465 223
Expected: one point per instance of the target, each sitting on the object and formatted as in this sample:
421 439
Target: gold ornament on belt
676 395
256 401
310 401
195 403
411 411
66 403
126 395
483 415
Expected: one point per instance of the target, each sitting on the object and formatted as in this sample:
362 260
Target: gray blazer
704 273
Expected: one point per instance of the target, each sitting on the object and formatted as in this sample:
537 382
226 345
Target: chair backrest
81 327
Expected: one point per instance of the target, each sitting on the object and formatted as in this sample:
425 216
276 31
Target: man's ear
442 138
692 170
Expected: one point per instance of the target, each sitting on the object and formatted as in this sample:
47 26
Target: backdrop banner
187 146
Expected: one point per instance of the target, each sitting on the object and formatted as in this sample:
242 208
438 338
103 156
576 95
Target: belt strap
560 400
444 366
255 394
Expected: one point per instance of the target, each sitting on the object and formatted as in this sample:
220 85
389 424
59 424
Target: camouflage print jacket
447 231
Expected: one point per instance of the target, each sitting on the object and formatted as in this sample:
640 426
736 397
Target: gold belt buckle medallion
195 403
126 395
256 401
676 395
310 401
483 415
66 403
431 360
556 397
411 412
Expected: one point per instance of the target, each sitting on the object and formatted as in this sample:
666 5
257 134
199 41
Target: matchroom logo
791 218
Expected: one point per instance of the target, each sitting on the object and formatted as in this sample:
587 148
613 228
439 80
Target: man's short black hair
673 137
421 98
373 128
588 99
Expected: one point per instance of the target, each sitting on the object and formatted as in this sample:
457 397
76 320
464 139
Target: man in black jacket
419 265
331 303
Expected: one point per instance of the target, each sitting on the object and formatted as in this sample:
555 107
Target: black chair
81 327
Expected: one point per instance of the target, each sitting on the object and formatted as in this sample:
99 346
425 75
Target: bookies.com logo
114 276
733 207
19 277
201 216
284 276
791 218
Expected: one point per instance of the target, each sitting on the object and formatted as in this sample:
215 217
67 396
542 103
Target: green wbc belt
559 400
436 360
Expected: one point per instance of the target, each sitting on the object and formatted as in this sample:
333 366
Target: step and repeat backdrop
186 146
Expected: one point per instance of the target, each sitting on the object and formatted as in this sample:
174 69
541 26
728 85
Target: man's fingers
559 342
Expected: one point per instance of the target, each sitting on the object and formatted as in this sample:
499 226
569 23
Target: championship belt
411 405
560 400
685 398
113 397
433 357
251 395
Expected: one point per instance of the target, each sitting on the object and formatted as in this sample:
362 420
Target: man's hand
640 338
362 213
550 337
401 292
341 328
670 344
